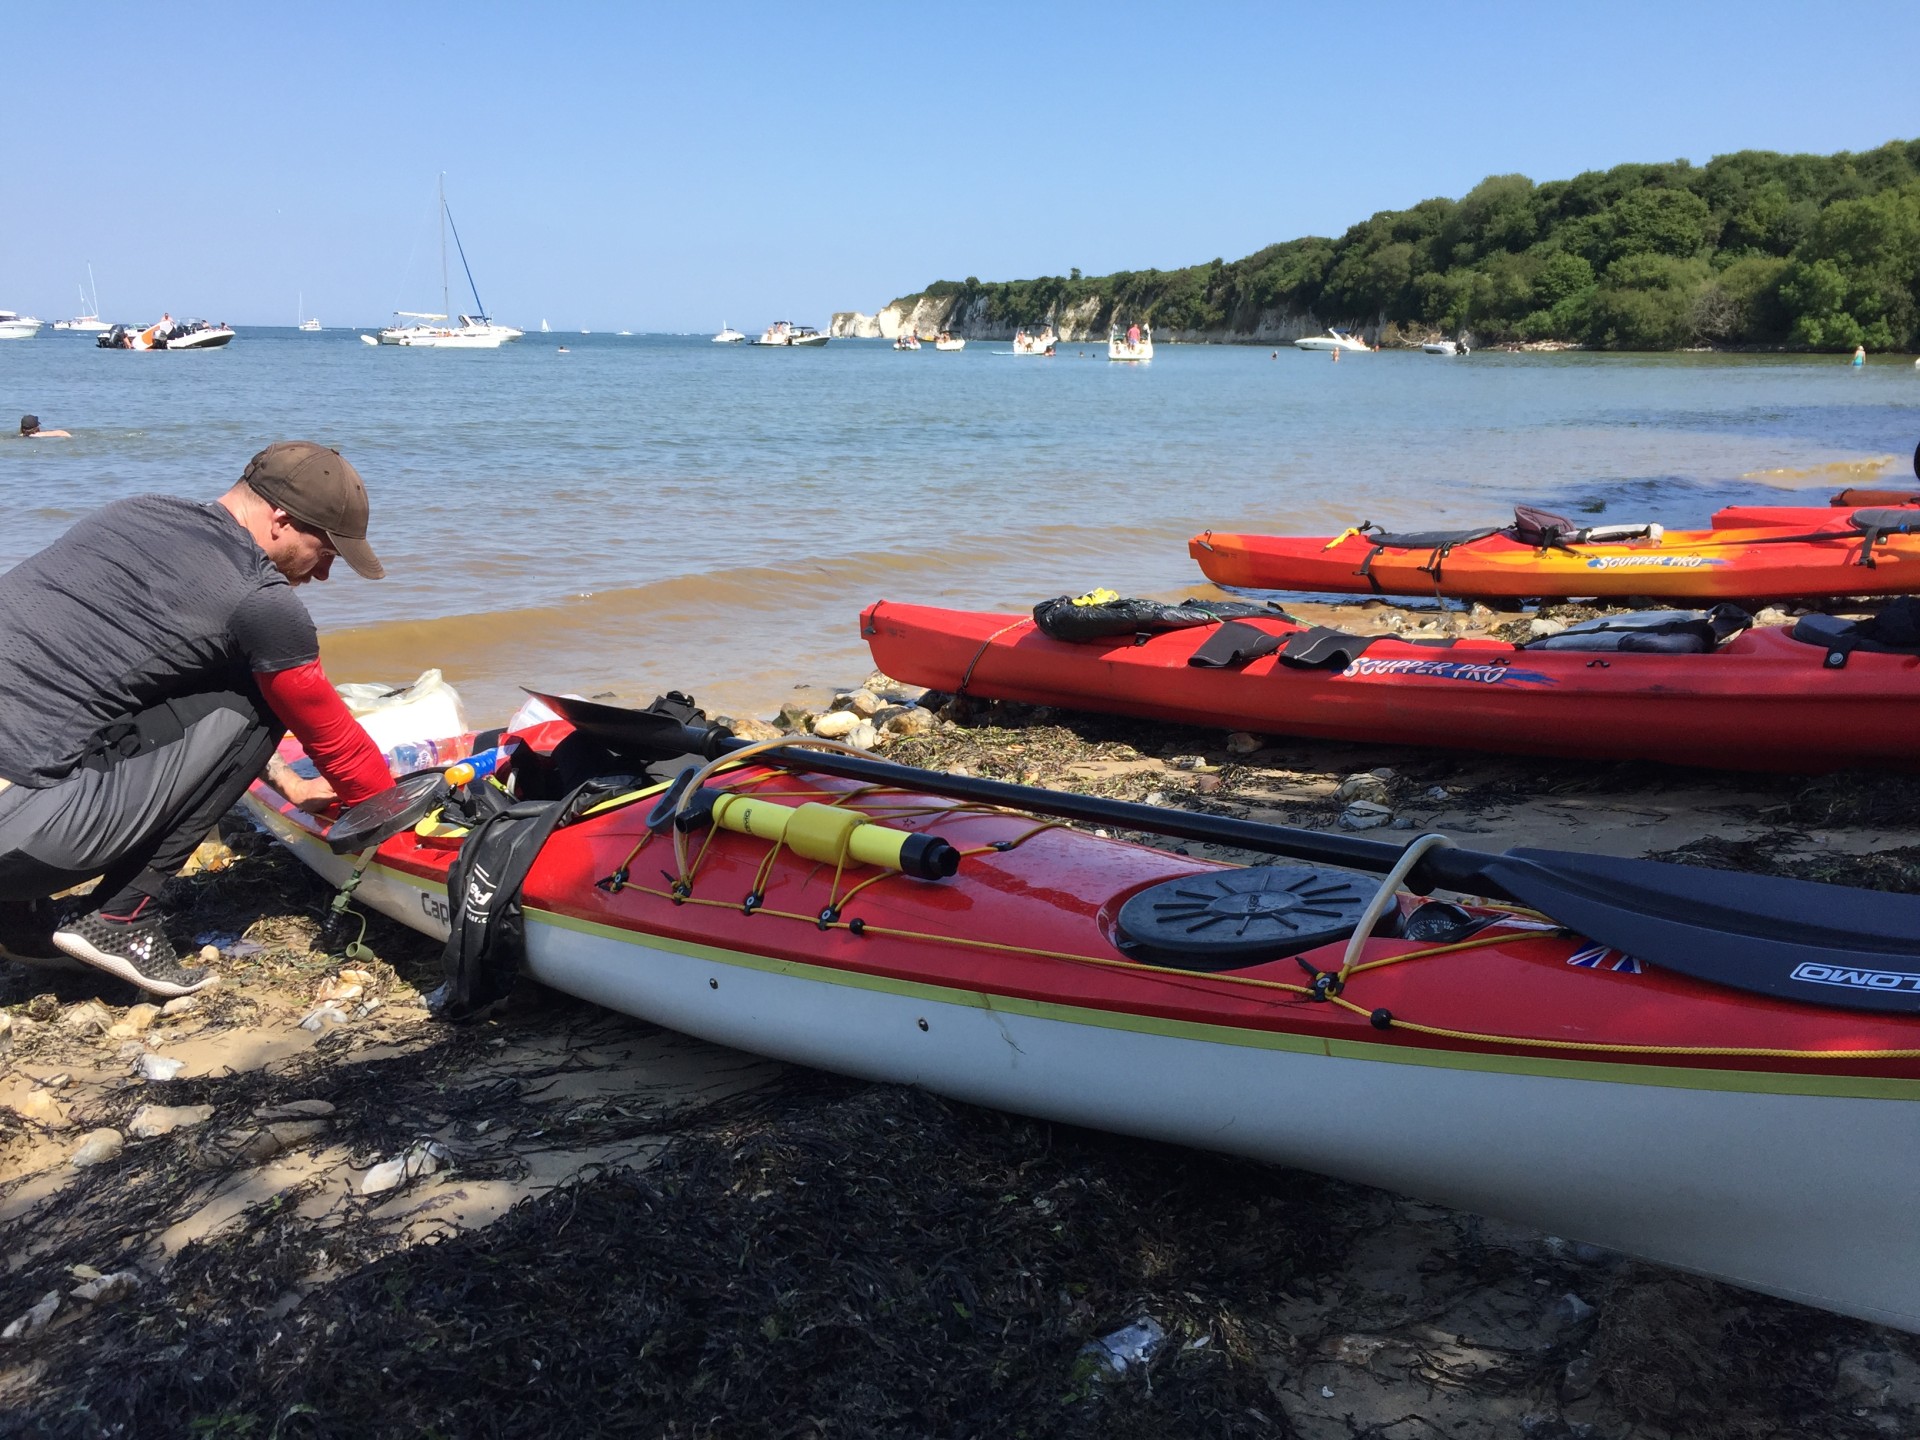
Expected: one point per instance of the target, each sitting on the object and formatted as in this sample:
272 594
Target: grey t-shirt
144 600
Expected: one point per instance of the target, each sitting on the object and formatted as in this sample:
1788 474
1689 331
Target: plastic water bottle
412 755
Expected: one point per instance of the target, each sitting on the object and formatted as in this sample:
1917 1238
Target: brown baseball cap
316 486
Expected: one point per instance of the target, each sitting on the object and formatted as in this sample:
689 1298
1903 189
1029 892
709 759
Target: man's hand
312 796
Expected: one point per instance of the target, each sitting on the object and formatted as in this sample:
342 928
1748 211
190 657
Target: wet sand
628 1231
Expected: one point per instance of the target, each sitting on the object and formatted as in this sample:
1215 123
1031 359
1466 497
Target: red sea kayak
1476 1057
1809 517
1761 701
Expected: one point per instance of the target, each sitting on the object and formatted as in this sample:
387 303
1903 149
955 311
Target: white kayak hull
1782 1183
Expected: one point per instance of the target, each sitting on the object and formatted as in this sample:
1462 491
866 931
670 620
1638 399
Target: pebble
1438 794
155 1066
1539 628
150 1122
793 717
137 1021
864 736
105 1289
209 954
750 729
181 1005
89 1016
863 703
6 1032
424 1157
295 1110
836 724
1771 615
34 1319
1185 762
1241 743
96 1147
1364 786
1205 784
1365 815
914 721
323 1015
40 1108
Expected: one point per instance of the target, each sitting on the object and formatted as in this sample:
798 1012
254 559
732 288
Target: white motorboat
1135 345
88 322
167 334
1445 347
946 341
311 326
728 335
17 327
1035 342
907 341
785 332
197 335
1332 340
470 332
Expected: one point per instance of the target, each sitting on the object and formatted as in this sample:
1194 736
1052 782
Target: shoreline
737 1239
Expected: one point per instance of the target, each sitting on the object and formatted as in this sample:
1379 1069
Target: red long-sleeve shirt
308 705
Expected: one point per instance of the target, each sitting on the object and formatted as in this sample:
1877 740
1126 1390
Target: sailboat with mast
88 322
475 331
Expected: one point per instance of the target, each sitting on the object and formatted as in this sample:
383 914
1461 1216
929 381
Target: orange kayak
1836 557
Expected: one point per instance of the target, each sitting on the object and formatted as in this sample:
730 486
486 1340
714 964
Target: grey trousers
135 811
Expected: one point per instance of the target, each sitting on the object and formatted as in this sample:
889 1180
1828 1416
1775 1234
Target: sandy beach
596 1226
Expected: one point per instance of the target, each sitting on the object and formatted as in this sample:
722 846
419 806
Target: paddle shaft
1453 868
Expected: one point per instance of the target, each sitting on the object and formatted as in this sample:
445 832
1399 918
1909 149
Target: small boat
1865 552
167 334
88 322
728 335
946 341
1445 347
468 332
310 325
1271 675
1035 342
1136 344
17 327
832 910
430 330
1332 340
907 341
786 333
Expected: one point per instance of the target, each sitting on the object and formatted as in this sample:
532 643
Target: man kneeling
150 660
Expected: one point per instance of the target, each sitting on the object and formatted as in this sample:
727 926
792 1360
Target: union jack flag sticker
1594 957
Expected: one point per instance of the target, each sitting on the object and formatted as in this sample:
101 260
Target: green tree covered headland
1818 252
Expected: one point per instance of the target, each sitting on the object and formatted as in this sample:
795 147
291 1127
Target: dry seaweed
823 1258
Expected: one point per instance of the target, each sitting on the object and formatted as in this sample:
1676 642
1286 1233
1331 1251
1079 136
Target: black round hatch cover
1227 918
388 813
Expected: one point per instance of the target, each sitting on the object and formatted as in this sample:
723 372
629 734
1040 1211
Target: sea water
657 512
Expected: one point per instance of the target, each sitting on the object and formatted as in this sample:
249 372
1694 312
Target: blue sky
664 167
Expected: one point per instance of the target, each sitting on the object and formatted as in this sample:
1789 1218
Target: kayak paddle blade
1829 945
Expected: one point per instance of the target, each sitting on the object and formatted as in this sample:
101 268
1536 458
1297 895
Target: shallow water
657 512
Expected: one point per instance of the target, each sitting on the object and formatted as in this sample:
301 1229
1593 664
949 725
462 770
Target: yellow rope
1188 979
1205 982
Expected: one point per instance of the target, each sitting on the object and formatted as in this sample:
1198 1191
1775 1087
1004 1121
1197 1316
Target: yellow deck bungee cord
1328 986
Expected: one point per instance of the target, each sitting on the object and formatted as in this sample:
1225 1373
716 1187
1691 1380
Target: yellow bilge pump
835 835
